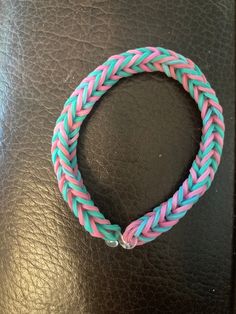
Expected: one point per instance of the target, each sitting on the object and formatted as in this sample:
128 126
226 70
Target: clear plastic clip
122 243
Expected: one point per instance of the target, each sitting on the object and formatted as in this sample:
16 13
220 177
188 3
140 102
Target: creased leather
134 151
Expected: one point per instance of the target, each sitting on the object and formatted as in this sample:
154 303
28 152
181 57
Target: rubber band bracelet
64 142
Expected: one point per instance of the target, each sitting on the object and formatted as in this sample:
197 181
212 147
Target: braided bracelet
64 142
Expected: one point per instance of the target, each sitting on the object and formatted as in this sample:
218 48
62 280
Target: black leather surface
135 149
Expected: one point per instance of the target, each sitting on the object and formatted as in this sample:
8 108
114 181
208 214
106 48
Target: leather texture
135 149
